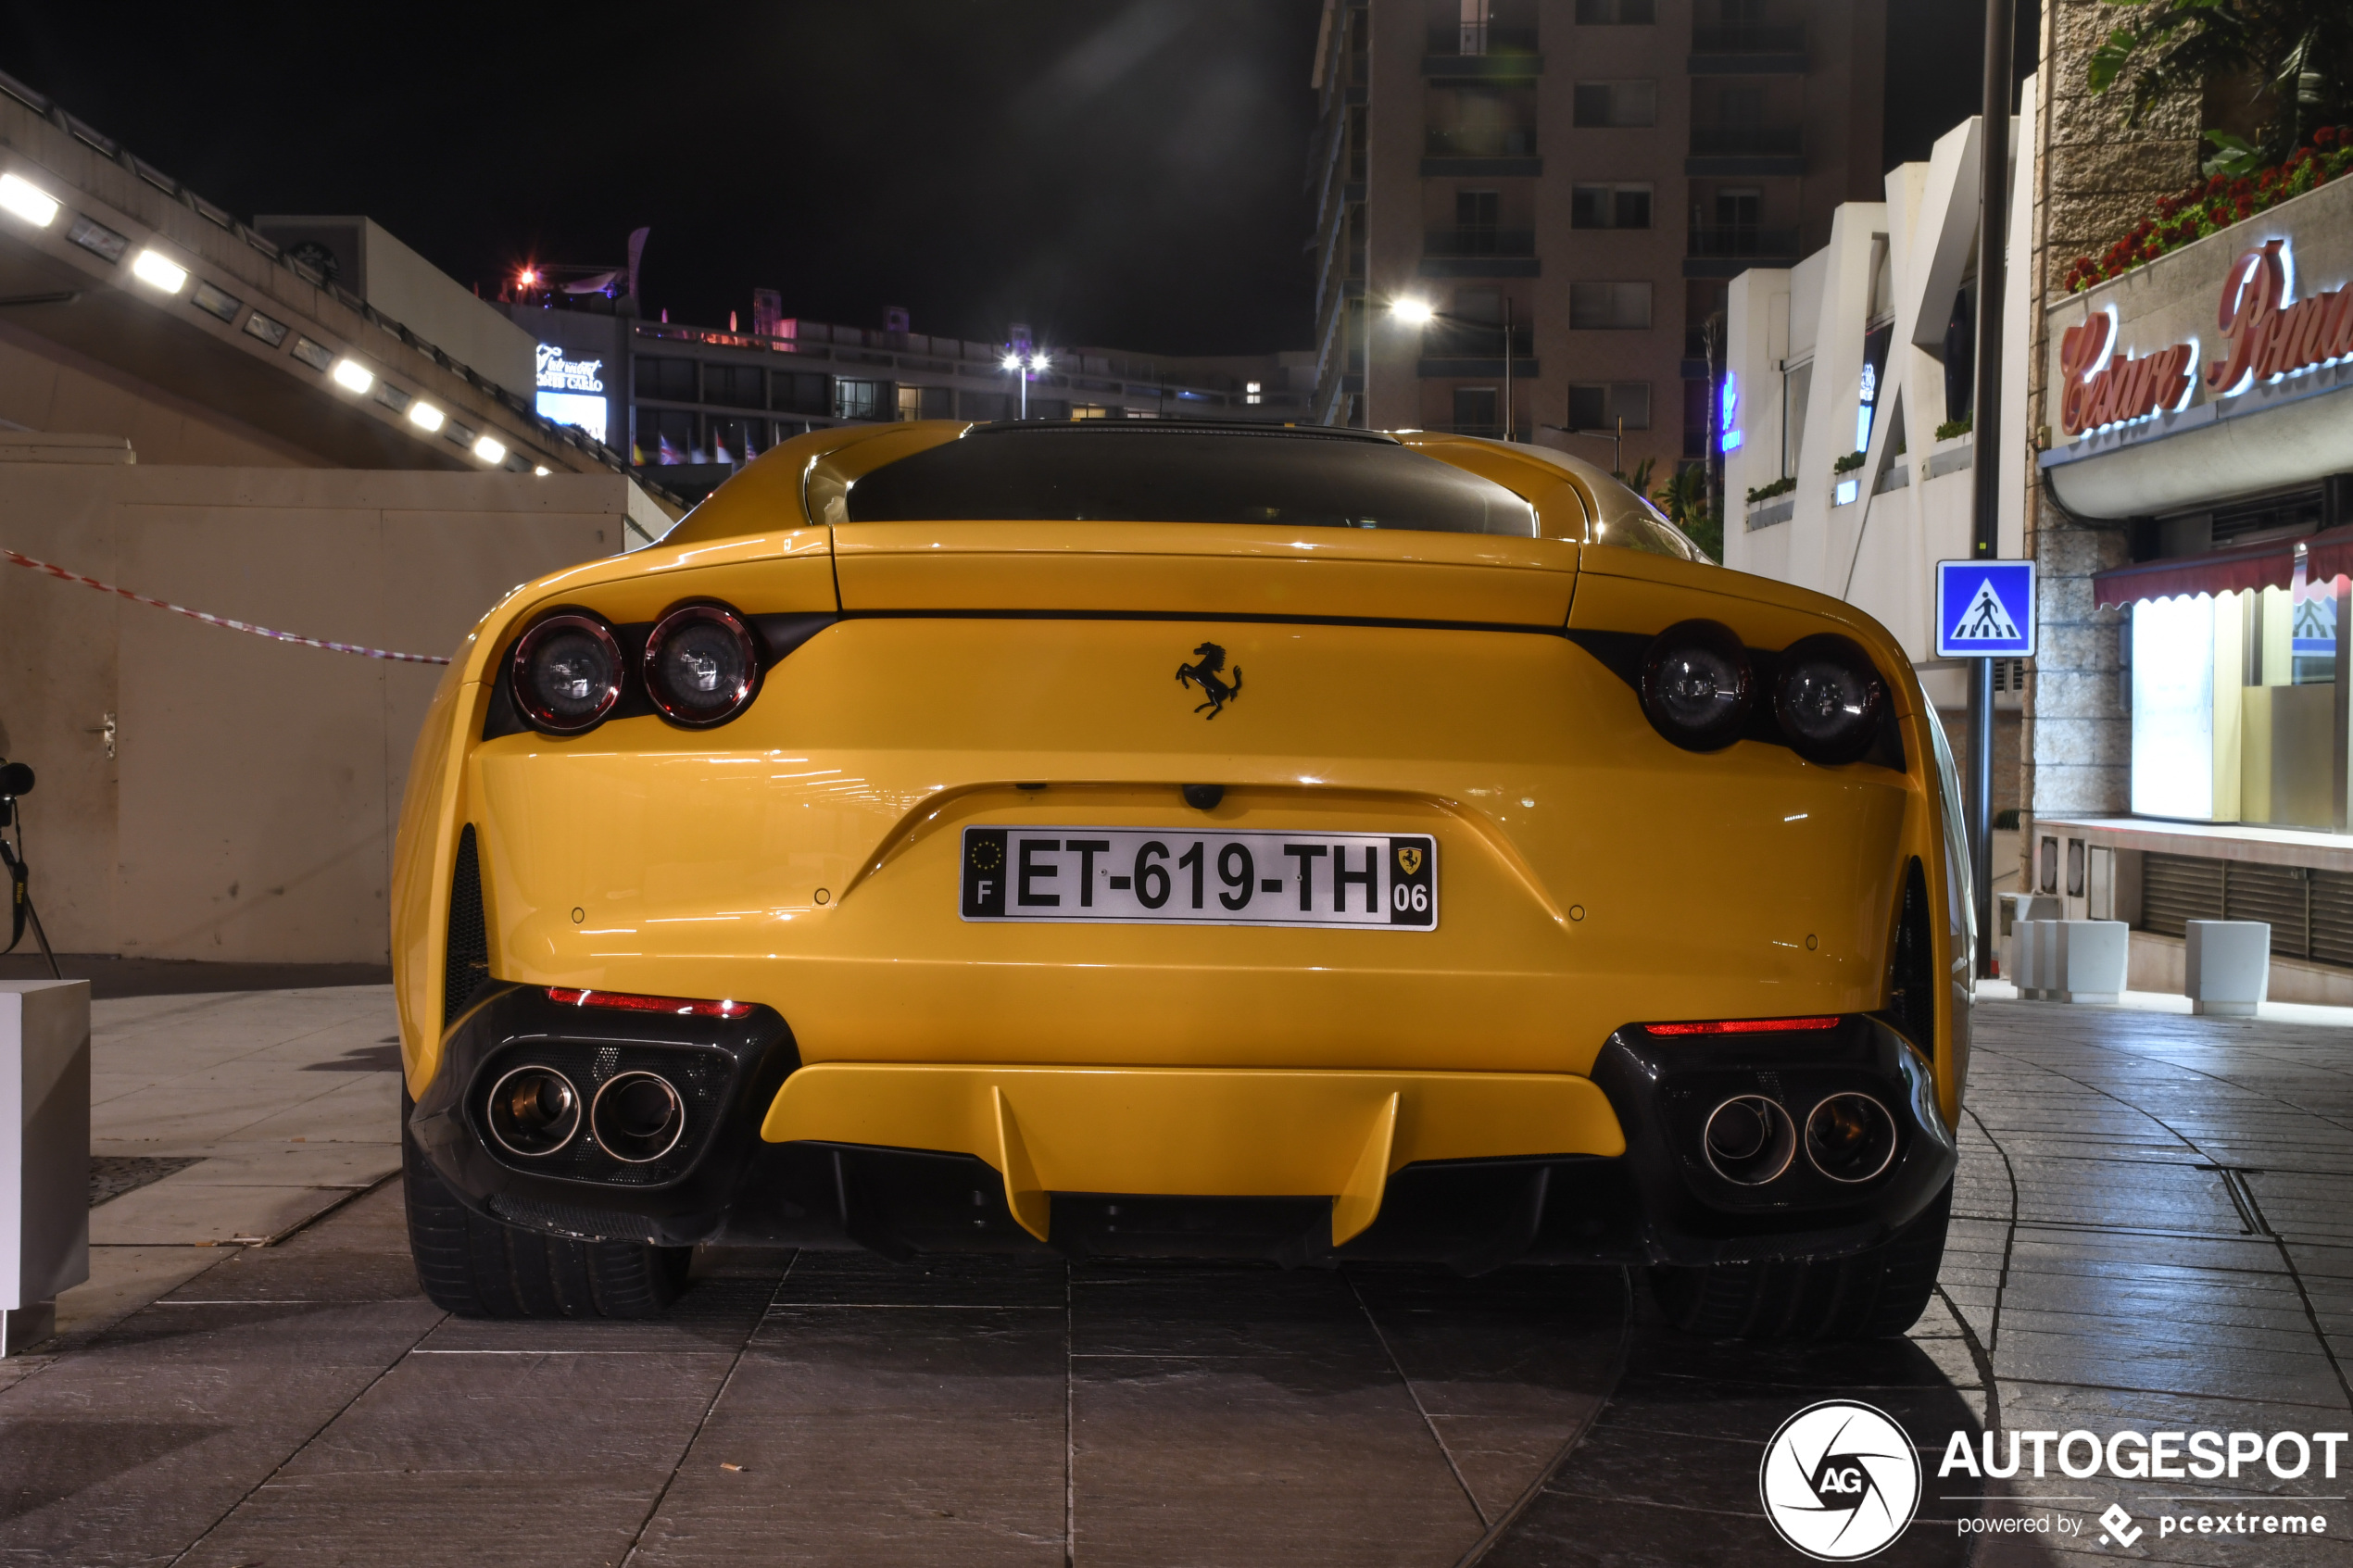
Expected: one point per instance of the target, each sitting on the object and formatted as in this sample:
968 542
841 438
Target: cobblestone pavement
2151 1231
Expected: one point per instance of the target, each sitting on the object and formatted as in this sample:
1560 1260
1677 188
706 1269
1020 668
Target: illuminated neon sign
560 374
2266 333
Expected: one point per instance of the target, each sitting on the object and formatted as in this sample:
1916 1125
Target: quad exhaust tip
535 1111
1850 1137
637 1117
1749 1140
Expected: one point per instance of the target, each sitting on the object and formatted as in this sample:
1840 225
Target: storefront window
2177 741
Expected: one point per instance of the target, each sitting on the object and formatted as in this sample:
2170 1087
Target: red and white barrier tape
219 619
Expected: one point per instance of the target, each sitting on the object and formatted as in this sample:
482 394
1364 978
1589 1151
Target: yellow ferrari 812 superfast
1151 838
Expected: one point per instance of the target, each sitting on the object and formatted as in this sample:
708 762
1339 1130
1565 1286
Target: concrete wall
246 809
376 265
46 385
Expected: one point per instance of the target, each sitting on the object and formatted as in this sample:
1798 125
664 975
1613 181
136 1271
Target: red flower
2325 136
2244 209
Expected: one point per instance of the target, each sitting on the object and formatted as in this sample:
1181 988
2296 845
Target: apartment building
1591 172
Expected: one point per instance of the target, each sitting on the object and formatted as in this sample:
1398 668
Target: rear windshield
1085 472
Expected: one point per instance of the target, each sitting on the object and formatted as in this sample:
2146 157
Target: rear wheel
479 1268
1872 1295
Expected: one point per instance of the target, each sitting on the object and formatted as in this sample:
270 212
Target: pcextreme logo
1840 1481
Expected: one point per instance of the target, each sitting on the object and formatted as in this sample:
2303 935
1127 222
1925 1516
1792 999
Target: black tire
1872 1295
479 1268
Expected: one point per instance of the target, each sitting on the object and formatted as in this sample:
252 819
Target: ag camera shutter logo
1840 1481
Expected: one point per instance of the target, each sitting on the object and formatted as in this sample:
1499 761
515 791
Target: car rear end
1140 842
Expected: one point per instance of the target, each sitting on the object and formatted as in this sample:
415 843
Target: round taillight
702 665
567 673
1696 685
1829 699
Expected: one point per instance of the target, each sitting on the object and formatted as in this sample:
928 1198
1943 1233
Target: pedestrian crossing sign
1984 609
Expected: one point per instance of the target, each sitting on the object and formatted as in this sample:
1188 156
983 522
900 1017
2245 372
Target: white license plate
1173 876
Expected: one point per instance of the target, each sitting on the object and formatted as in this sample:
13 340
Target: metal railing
1481 142
1748 38
1470 40
1452 340
1746 141
1740 239
1479 242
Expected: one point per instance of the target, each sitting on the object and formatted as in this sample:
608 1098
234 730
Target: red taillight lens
701 665
1745 1026
630 1001
567 673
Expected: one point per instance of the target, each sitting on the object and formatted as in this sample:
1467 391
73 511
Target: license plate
1165 876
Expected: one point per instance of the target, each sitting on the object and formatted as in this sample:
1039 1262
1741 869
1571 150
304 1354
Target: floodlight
540 471
424 416
352 376
1012 361
158 271
490 450
1414 312
27 201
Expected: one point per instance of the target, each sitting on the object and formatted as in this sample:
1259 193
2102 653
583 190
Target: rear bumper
1465 1168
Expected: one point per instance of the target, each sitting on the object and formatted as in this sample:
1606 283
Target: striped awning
2271 563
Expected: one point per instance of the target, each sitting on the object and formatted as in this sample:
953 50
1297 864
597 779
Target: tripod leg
42 937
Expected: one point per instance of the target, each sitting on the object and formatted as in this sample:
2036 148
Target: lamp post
1025 367
1417 313
1616 441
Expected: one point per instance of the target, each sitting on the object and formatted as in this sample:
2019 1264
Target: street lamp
1616 441
1417 313
1026 367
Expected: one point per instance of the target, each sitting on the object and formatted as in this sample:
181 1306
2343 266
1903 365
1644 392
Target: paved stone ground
2151 1231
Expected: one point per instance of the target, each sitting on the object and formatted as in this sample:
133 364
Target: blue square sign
1984 609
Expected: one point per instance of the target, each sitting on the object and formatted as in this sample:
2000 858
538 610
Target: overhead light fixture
424 416
540 471
1414 312
27 200
491 450
1012 361
353 376
158 271
1038 363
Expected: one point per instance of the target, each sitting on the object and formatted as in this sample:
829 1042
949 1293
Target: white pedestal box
2072 960
44 1152
2226 966
2013 911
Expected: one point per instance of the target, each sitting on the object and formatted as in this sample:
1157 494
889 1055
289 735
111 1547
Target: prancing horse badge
1207 673
1409 860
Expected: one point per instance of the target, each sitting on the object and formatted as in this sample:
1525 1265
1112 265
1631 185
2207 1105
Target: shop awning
2269 564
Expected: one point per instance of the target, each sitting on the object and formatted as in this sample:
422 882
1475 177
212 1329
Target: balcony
1481 150
1747 51
1480 253
1450 349
1727 250
1479 242
1472 41
1737 150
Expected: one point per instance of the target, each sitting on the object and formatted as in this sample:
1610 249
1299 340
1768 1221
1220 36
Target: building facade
690 405
1593 171
1850 462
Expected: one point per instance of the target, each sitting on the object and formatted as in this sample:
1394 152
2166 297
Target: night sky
1122 174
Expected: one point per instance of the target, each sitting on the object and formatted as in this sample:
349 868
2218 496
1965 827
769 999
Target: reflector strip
629 1001
1743 1026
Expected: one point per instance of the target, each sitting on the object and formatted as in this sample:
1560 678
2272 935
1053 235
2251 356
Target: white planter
2073 960
44 1152
2226 966
2014 909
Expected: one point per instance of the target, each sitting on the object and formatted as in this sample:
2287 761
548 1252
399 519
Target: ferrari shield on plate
1163 876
